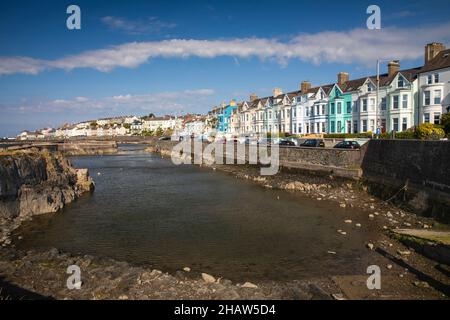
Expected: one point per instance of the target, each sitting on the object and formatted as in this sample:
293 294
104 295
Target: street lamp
377 118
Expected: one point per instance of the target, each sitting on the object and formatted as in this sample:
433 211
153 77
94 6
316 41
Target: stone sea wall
79 147
415 173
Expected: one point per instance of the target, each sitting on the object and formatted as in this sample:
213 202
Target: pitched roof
441 61
409 74
352 85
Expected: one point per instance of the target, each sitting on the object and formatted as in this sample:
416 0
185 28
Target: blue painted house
224 117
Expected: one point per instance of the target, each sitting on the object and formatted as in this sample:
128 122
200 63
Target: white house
434 84
163 123
309 109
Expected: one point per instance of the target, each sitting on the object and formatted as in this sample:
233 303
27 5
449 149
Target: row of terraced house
404 98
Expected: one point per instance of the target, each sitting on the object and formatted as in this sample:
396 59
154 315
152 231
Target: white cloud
359 46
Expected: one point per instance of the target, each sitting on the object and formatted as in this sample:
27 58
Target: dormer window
401 82
369 88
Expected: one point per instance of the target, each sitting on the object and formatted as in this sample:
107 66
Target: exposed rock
208 278
404 252
249 285
34 183
421 284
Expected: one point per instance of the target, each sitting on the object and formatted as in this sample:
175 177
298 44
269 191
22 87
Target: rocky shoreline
36 182
39 274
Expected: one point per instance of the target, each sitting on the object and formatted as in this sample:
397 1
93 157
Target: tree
445 122
93 125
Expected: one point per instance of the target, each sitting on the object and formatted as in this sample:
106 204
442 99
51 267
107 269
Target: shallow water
145 210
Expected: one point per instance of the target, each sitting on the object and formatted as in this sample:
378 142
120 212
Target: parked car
165 139
314 143
347 145
286 143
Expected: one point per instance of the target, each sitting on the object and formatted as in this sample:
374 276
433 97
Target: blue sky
137 57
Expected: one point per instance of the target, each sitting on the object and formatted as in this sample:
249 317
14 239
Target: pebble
389 266
331 252
371 216
342 205
249 285
187 269
421 284
407 224
348 221
358 225
404 253
370 246
338 296
208 278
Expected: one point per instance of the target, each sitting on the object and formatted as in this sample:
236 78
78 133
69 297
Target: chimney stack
305 86
342 78
393 67
277 92
253 97
432 50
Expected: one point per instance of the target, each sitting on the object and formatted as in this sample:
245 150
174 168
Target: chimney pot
305 86
393 67
432 50
253 97
277 92
343 77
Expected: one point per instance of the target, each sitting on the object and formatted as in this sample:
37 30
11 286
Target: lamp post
377 118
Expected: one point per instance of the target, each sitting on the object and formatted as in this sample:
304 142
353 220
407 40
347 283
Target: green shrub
429 131
445 122
405 135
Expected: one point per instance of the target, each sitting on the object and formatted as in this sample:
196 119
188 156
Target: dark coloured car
286 143
314 143
347 145
164 139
